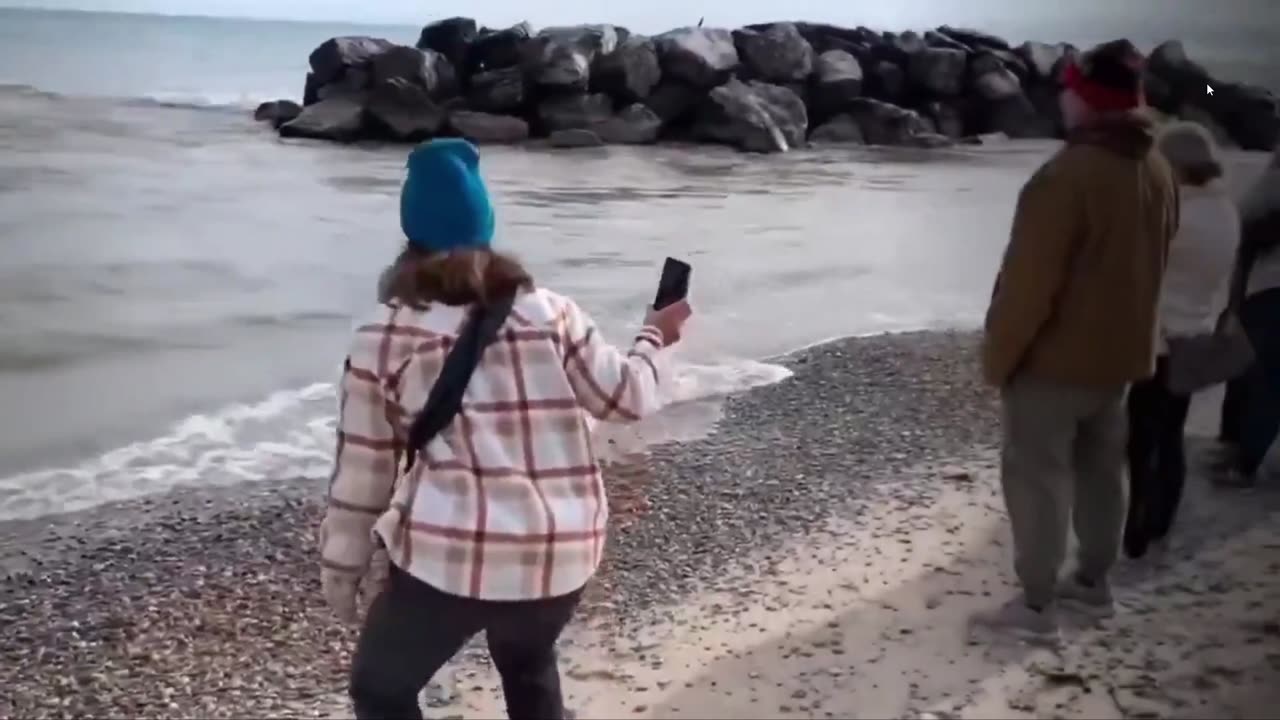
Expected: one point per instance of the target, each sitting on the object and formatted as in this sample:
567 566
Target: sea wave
290 433
210 102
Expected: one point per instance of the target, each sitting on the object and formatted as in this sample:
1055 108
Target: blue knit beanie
444 204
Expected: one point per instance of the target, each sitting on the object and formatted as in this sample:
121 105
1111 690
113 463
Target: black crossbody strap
445 399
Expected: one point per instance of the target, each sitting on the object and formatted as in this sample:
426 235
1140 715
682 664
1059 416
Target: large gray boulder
778 54
754 116
451 38
837 79
277 112
948 119
1249 114
975 39
991 79
630 72
1042 59
339 118
400 110
887 80
699 57
497 49
574 112
673 101
887 124
498 91
333 56
1017 117
636 124
561 57
426 69
938 71
574 138
841 129
488 128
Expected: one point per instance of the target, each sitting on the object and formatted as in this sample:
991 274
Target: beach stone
699 57
277 112
839 129
487 128
630 72
496 49
837 80
403 111
574 138
338 118
636 124
498 91
938 71
569 112
334 56
426 69
562 56
450 37
778 54
754 116
887 124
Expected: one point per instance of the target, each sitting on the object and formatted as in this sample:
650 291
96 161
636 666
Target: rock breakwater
766 88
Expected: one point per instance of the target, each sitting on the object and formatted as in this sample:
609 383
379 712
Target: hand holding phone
670 307
674 283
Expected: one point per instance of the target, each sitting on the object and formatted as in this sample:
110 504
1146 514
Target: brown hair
1200 174
460 277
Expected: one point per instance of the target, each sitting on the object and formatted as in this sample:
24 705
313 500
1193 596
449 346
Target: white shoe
1092 600
1017 619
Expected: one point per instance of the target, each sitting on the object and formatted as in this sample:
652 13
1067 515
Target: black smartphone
674 285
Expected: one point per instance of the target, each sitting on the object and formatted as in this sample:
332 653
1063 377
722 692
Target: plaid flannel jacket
507 503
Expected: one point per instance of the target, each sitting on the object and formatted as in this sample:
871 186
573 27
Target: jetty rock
767 87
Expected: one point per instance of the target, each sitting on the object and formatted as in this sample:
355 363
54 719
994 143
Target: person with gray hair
1194 293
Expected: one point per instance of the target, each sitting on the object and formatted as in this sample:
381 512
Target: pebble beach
207 602
815 556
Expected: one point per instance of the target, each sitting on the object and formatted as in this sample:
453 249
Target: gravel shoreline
207 603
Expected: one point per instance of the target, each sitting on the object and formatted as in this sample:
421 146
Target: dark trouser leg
1171 460
522 641
1260 316
1144 409
1232 409
411 631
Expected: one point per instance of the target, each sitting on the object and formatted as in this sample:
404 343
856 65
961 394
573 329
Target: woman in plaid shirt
500 521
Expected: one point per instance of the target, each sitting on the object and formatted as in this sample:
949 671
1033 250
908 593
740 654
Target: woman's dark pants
412 630
1157 459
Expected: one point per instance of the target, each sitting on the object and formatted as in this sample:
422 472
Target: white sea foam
289 434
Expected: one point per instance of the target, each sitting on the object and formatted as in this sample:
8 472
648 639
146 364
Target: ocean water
177 284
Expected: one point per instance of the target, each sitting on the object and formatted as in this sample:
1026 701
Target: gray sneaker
1017 619
1093 599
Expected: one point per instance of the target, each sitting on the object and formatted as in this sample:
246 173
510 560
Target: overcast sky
642 15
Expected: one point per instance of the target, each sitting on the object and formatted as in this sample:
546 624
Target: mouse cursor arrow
1208 88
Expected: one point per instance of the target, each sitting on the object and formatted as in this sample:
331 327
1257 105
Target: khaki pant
1064 450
